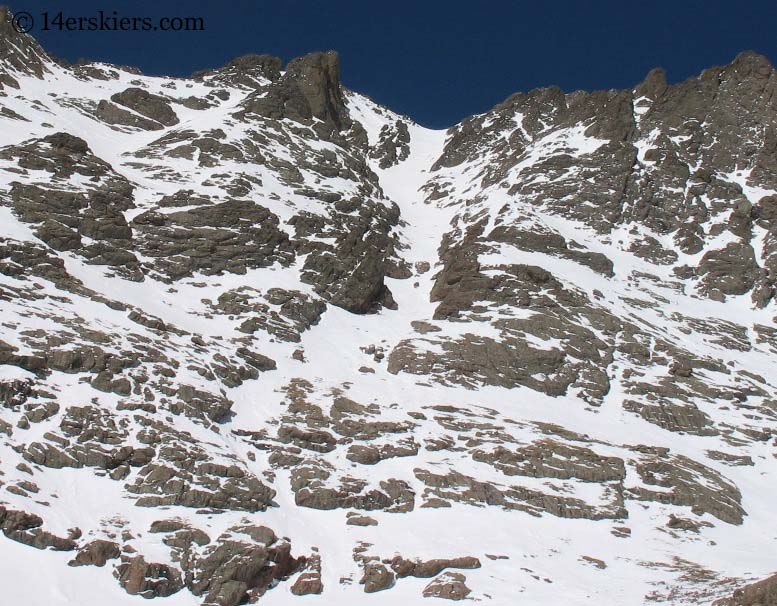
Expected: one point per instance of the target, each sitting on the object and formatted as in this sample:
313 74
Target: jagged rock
449 586
96 553
202 403
182 474
430 568
167 526
370 455
257 360
152 106
148 580
27 528
357 520
244 70
716 495
393 145
455 486
147 321
309 88
318 441
552 459
729 271
14 393
674 417
232 236
376 577
761 593
309 581
59 236
113 114
235 569
678 523
20 52
730 459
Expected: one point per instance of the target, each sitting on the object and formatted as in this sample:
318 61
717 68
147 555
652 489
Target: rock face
762 593
309 88
309 582
236 569
20 53
148 580
152 106
96 553
260 335
449 586
376 577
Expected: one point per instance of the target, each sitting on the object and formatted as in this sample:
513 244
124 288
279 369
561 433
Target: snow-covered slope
263 338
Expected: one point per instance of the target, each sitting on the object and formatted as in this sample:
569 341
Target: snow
544 553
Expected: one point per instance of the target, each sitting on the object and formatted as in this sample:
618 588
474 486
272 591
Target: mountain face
263 338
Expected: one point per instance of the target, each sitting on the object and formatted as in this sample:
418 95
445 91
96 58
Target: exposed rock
152 106
376 577
243 563
449 586
14 393
729 271
430 568
715 495
309 88
761 593
309 581
148 580
357 520
96 553
552 459
27 528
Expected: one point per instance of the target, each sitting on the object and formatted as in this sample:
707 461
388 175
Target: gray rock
376 577
448 586
309 581
761 593
149 580
96 553
152 106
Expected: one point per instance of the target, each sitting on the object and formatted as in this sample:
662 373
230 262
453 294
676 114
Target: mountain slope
264 338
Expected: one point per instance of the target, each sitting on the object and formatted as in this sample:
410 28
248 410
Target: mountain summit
263 338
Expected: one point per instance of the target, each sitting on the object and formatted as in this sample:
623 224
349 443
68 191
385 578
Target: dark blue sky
436 61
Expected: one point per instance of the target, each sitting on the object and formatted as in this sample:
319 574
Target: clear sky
435 61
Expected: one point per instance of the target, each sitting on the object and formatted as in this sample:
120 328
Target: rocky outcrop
761 593
65 217
393 145
448 586
14 393
729 271
309 581
677 479
232 236
19 52
148 580
376 577
247 70
27 528
152 106
552 459
430 568
308 89
242 565
96 553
